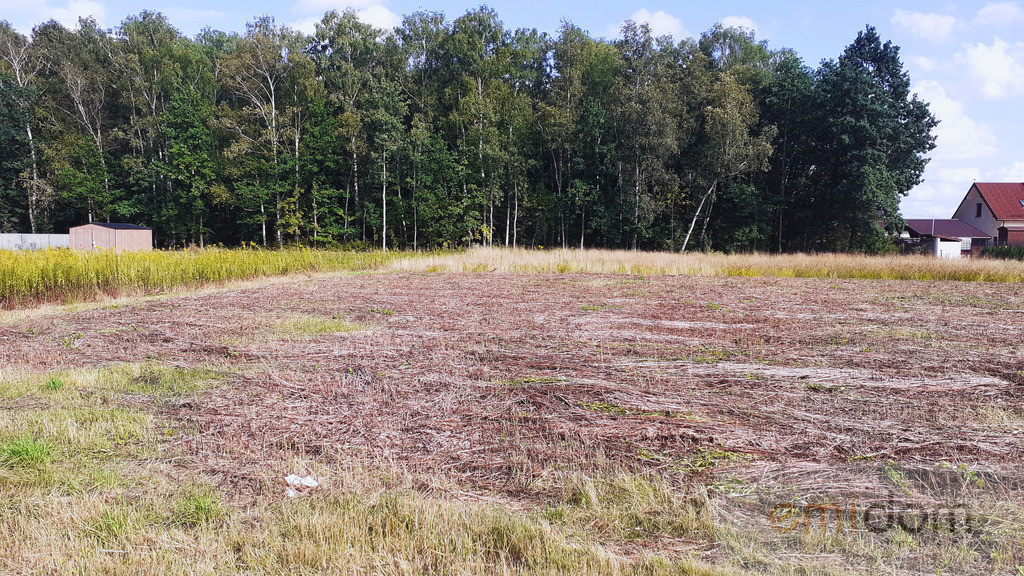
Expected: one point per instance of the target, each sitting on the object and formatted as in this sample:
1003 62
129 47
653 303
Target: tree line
447 133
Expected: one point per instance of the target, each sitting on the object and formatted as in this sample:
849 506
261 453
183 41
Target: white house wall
967 211
945 248
33 241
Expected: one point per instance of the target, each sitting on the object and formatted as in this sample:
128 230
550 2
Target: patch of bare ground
504 387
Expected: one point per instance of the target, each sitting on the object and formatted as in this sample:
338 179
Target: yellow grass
31 277
698 264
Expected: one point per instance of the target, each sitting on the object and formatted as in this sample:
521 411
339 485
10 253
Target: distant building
947 238
997 209
111 236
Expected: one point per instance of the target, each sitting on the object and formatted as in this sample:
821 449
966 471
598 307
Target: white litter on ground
298 484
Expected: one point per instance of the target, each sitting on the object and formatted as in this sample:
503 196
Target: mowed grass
55 422
699 264
91 483
31 277
202 529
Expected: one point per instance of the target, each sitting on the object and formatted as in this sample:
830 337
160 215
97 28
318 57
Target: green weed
312 326
705 355
196 508
53 384
616 410
535 380
24 451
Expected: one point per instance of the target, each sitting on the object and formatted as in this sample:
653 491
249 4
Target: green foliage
873 136
456 133
189 163
14 150
1004 252
25 451
196 507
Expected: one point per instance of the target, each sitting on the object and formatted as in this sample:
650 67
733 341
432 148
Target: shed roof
947 228
116 226
1005 199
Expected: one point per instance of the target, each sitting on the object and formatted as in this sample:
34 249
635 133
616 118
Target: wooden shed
111 236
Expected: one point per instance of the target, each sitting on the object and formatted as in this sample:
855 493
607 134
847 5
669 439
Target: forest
450 133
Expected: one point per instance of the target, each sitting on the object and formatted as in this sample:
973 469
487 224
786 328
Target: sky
966 59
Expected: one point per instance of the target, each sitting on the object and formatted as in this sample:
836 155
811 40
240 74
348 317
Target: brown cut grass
700 264
515 424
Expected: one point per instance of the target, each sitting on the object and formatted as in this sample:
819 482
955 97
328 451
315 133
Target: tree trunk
316 223
697 215
384 205
636 205
277 218
263 221
583 221
515 218
33 187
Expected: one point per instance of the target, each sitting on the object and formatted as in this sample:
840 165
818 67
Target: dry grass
108 495
666 263
513 424
34 277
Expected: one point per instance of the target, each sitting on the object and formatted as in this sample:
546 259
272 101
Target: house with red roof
997 209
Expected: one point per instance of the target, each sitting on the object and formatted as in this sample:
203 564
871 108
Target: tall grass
697 264
28 277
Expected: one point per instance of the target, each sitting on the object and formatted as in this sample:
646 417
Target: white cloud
32 12
322 6
378 15
959 175
1014 173
934 27
999 14
925 64
662 23
372 12
740 22
940 193
998 68
305 25
958 137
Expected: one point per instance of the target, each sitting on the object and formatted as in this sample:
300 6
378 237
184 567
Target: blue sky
965 58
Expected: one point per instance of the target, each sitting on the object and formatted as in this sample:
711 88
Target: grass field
698 264
517 420
33 277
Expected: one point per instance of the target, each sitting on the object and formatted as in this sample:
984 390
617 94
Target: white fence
34 241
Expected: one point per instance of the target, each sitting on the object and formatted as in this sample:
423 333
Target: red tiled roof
945 228
1004 198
